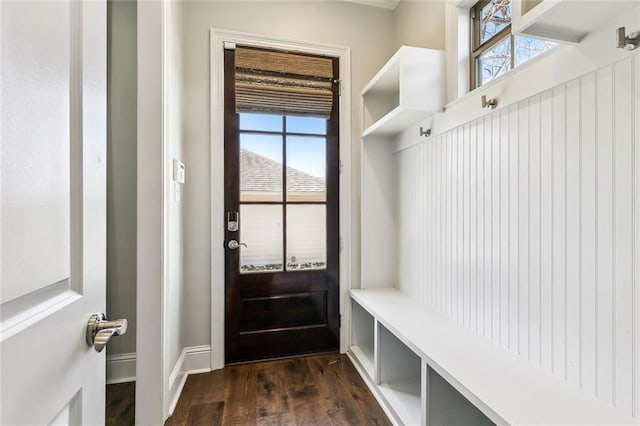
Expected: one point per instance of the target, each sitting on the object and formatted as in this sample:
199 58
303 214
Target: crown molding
385 4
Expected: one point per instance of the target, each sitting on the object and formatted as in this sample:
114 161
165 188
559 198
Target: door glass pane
309 125
526 48
262 122
494 61
306 237
306 168
495 16
260 167
261 231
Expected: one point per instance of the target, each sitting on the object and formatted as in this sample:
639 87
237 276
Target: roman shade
283 83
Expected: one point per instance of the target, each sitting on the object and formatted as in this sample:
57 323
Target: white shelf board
364 355
386 80
565 20
404 397
394 121
505 387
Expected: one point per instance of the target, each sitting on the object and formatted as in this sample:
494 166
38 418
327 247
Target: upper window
494 50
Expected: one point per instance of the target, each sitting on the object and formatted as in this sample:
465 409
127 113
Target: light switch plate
178 171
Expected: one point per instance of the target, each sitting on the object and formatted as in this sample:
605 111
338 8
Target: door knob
100 331
233 244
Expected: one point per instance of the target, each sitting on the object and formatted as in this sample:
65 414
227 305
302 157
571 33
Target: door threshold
256 361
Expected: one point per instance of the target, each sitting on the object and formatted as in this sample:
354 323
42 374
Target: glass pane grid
526 48
499 51
263 211
261 230
494 61
494 17
306 237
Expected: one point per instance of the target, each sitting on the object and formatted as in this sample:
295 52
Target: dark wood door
281 199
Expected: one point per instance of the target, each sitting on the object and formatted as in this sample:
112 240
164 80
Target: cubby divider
362 337
400 377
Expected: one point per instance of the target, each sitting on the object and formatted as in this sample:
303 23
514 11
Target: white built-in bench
418 362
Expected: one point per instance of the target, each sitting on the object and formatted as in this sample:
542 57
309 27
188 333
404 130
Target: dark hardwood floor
313 390
120 406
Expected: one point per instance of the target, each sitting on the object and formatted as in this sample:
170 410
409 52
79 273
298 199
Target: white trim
375 390
121 368
192 360
217 38
151 389
384 4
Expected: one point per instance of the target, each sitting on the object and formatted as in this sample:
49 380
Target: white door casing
52 211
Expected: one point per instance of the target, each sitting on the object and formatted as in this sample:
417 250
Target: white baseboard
195 359
121 368
192 360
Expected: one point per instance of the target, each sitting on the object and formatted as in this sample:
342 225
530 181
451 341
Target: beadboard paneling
520 225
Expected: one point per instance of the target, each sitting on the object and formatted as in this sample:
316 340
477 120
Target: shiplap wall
520 225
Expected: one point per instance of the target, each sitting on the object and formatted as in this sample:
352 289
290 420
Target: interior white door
53 212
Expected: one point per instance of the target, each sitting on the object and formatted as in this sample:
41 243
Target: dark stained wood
278 314
315 390
198 389
206 414
120 404
240 385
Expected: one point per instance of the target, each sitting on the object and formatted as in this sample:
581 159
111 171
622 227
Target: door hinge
340 321
340 244
340 167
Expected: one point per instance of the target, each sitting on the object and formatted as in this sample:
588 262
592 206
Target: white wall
369 33
522 228
121 171
419 23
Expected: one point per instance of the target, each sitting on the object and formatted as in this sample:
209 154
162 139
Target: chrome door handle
233 244
100 331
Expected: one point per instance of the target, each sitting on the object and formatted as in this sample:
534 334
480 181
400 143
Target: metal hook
629 42
489 103
425 133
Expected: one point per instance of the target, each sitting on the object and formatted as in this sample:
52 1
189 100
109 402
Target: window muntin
494 50
283 154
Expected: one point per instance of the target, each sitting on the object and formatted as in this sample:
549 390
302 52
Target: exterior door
52 217
282 242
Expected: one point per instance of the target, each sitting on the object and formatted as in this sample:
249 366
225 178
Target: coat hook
490 103
425 133
628 42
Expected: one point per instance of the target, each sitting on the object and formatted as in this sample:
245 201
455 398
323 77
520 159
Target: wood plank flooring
120 404
313 390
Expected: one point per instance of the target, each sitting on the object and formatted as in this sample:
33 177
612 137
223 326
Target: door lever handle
100 331
233 244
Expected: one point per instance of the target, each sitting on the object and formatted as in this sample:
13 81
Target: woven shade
283 83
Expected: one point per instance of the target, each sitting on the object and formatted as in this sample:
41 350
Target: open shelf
477 381
448 406
362 335
563 20
399 377
401 396
409 87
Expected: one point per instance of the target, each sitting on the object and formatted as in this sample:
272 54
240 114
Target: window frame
478 48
